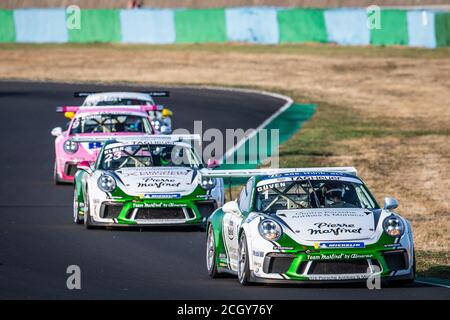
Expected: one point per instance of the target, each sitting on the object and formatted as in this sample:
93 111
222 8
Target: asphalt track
38 240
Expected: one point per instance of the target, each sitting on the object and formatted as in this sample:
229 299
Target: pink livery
90 125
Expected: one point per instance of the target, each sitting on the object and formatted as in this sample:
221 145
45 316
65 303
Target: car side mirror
231 207
56 131
212 163
390 203
86 166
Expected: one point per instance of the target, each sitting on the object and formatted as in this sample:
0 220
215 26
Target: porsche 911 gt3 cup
146 181
93 122
308 225
161 117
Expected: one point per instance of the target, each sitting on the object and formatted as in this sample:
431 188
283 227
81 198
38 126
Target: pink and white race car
161 116
94 122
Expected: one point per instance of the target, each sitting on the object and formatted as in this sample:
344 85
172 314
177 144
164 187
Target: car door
232 222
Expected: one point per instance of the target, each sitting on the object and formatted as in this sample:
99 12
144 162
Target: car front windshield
114 101
307 194
110 123
149 155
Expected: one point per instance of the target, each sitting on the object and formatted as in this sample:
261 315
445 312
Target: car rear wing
157 94
247 173
63 109
144 108
154 139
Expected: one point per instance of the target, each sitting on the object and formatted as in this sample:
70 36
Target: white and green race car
146 181
307 225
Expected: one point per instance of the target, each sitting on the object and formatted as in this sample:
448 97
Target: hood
170 182
330 224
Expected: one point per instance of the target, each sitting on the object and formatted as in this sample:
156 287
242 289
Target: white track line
287 104
433 284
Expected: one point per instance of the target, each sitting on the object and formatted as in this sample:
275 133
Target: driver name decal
152 182
334 228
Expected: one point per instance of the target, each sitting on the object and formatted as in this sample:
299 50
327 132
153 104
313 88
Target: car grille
339 267
206 208
160 213
396 260
109 211
277 262
70 169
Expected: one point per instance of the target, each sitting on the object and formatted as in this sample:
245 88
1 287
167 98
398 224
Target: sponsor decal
282 248
392 245
222 256
160 195
334 228
339 277
339 256
158 205
230 230
338 245
258 253
163 172
271 186
95 145
301 176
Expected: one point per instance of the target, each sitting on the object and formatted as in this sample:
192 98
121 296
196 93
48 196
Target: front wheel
76 209
87 214
243 263
211 253
56 179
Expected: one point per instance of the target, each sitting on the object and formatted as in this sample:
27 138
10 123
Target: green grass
328 50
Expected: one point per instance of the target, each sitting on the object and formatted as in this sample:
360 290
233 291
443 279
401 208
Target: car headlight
106 183
270 230
393 226
70 146
208 183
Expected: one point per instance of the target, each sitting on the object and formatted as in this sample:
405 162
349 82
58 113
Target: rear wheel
76 208
211 253
243 263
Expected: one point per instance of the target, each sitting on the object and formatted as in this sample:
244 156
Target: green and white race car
308 225
145 181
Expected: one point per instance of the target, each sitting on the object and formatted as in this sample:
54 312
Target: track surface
39 241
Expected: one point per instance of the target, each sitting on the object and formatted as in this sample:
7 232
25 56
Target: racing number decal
112 156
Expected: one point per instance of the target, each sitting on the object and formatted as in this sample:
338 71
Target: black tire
211 254
87 216
56 179
243 263
76 209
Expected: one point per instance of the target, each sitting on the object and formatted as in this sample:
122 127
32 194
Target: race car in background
146 181
94 122
161 117
307 225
